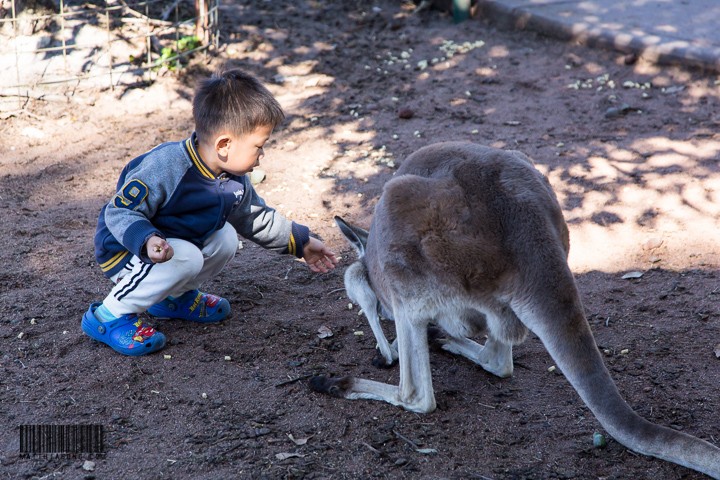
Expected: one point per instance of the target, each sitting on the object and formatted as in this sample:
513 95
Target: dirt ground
632 150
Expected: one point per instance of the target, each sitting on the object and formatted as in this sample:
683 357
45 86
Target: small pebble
614 112
257 176
406 113
599 440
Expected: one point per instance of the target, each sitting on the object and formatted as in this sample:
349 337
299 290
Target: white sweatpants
141 285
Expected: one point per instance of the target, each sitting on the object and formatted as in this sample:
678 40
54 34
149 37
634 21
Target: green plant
170 56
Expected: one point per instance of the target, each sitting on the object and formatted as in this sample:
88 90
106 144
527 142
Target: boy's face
238 155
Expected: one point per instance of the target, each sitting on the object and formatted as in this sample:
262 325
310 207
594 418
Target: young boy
174 220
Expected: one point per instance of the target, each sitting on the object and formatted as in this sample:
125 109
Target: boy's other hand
318 257
158 250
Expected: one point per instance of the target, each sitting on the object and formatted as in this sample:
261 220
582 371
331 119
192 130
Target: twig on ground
405 439
287 382
371 448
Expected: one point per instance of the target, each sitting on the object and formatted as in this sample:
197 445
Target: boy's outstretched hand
318 257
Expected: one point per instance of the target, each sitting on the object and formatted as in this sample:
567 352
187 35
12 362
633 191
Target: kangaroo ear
355 235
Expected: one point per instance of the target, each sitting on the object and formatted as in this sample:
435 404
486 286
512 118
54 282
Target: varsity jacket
170 192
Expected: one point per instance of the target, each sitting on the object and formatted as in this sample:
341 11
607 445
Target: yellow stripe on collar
196 159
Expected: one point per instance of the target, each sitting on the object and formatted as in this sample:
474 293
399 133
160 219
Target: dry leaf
298 441
324 332
673 89
286 455
426 451
632 275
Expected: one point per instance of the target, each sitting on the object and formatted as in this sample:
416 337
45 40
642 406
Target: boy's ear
222 144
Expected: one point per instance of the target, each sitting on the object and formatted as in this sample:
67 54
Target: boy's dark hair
234 101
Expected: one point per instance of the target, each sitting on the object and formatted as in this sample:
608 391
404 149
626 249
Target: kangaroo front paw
379 361
436 338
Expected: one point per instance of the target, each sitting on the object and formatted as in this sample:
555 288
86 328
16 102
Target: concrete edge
651 48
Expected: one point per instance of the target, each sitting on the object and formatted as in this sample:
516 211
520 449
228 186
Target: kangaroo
472 239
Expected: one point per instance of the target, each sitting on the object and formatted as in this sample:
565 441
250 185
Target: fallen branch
287 382
405 439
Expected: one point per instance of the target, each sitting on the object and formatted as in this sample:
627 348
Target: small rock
257 176
574 60
88 466
614 112
599 440
652 243
324 332
32 132
632 275
406 113
630 59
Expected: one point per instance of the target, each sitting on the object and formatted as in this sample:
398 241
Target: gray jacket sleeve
261 224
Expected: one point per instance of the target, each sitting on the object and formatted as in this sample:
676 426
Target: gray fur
472 239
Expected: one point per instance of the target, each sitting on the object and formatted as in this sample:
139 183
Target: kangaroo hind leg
415 392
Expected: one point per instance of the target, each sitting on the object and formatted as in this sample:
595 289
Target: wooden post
201 22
